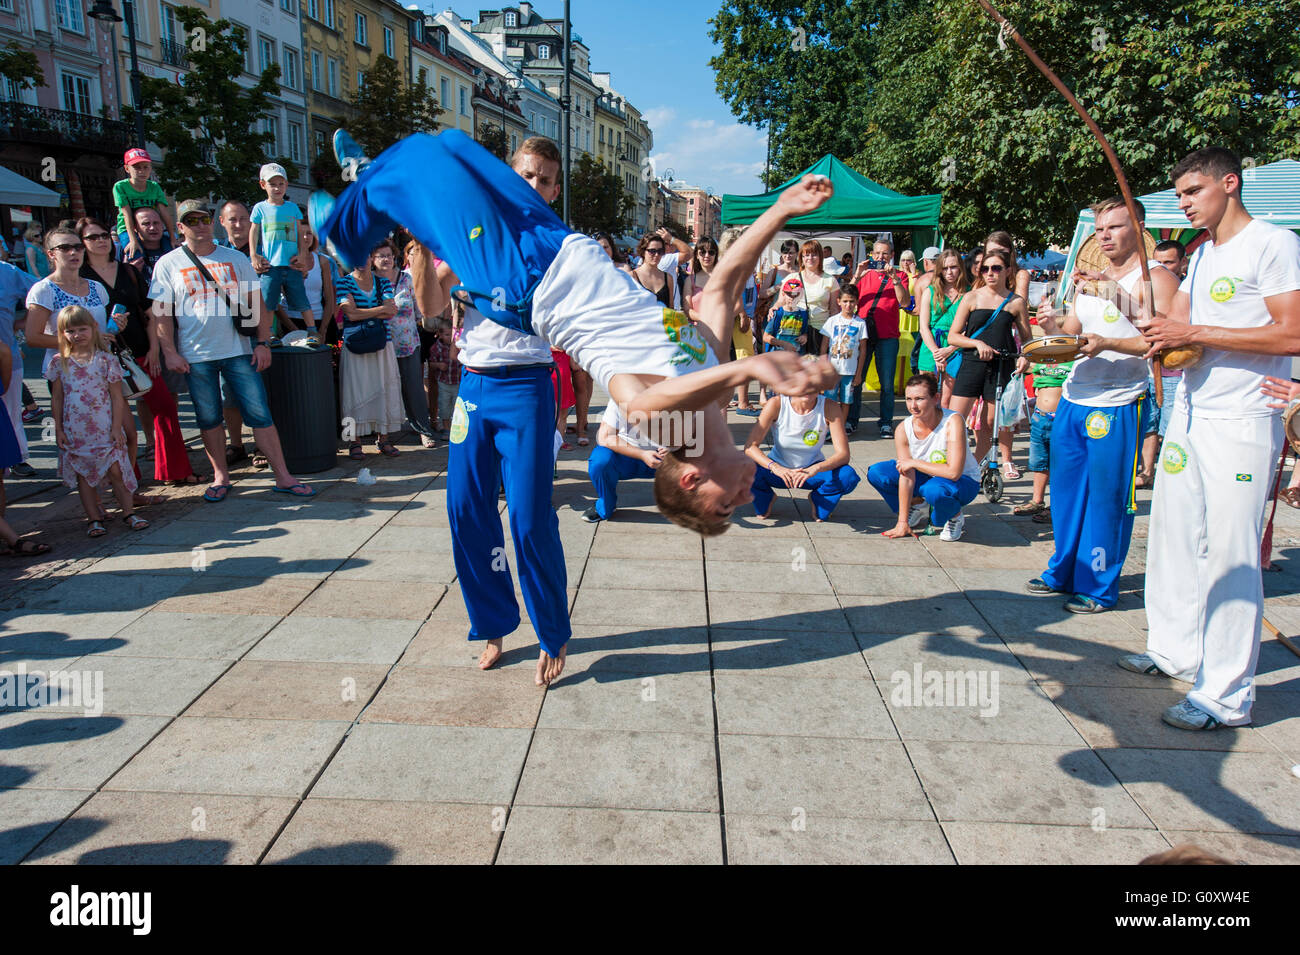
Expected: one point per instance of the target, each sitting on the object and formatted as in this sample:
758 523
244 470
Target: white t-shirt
49 296
933 448
628 434
818 289
485 344
797 439
846 336
607 323
1109 379
207 330
1228 284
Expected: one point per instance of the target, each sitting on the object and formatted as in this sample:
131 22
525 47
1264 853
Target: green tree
944 107
21 67
493 139
597 200
386 108
207 125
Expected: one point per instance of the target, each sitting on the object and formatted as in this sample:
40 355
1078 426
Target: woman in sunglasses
702 263
982 330
64 286
38 263
128 297
649 275
1018 282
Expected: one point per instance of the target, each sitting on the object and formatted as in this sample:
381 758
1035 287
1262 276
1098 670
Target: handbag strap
997 311
207 277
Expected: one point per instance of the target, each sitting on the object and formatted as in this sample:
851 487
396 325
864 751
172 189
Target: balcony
173 53
22 123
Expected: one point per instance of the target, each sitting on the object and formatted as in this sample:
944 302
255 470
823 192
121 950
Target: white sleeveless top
315 286
933 448
798 438
1109 379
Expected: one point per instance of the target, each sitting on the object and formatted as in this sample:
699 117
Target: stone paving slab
1000 843
804 839
27 816
203 636
764 705
457 696
541 835
335 640
63 749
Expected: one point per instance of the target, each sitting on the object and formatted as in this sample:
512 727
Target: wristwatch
257 344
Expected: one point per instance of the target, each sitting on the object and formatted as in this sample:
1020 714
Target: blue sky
658 57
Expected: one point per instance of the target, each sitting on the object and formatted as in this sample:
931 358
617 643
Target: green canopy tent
859 205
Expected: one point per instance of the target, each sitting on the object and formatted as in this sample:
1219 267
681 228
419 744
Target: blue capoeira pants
606 468
504 424
946 498
825 488
467 206
1093 468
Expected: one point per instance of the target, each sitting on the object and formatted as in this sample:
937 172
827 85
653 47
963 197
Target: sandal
387 448
583 441
234 455
135 522
216 494
1009 472
24 547
96 529
566 446
260 461
356 452
1290 497
1029 507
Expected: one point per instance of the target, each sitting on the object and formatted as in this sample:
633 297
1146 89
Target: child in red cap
137 191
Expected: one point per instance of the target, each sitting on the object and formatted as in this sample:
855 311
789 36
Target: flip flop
583 441
260 461
297 490
216 493
24 547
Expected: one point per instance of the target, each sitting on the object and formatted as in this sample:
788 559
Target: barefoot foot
490 655
550 668
901 530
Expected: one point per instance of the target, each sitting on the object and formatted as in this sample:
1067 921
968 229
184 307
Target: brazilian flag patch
1244 478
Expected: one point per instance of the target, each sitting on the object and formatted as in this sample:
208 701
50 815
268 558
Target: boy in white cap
274 241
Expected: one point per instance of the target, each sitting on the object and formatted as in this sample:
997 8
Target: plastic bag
1014 407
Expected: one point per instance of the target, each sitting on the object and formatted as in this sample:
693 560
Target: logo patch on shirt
1110 313
1097 424
1173 459
475 232
1223 289
938 457
811 437
686 337
1245 478
459 422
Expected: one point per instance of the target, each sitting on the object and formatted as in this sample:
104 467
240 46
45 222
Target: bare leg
90 502
123 496
146 420
582 388
214 443
906 484
1005 437
234 428
1150 445
550 668
268 442
945 400
490 655
1040 486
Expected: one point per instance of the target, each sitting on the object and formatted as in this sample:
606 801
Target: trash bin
300 389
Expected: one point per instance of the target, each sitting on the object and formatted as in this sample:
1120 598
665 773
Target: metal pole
568 107
128 8
117 67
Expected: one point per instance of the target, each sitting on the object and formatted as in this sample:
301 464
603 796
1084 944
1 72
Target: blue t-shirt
279 225
787 327
14 286
380 292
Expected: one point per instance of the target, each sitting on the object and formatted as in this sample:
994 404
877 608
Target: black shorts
980 379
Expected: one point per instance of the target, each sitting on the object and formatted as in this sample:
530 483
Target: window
7 5
313 9
512 18
315 70
76 94
543 51
289 6
272 125
320 142
333 70
422 77
388 42
240 35
602 135
265 53
464 101
292 74
68 13
295 142
514 143
362 36
444 91
327 14
361 81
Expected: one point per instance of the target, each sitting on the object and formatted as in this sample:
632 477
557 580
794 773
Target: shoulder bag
238 314
954 363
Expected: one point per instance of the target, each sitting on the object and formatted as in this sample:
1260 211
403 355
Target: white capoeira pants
1204 592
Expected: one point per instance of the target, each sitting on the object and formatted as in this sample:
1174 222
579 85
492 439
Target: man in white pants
1204 593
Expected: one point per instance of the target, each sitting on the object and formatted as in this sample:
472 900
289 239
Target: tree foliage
597 200
21 67
208 127
946 108
493 139
386 108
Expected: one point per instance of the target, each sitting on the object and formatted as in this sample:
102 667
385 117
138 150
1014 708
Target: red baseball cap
134 156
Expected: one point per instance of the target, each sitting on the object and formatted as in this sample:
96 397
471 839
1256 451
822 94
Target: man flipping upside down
486 222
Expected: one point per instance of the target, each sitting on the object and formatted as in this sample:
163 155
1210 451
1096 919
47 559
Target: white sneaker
952 530
918 516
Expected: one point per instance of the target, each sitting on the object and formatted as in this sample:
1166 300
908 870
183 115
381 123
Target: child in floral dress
89 416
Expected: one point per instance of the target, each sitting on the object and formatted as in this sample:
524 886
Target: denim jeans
242 381
884 352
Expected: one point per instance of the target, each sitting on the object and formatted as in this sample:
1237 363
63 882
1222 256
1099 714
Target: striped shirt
380 291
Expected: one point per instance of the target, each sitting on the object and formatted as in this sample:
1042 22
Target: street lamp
104 12
506 87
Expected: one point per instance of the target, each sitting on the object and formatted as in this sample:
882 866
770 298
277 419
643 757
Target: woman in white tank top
800 427
934 463
319 285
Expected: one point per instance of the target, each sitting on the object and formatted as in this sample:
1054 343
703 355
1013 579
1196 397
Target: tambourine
1291 424
1053 349
1184 356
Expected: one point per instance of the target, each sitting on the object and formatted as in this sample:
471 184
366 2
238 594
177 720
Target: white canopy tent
17 191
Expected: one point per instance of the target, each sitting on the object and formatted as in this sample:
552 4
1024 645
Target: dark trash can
300 389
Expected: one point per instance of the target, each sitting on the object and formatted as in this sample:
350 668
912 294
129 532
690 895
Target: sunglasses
654 251
197 220
97 237
66 248
707 252
992 269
